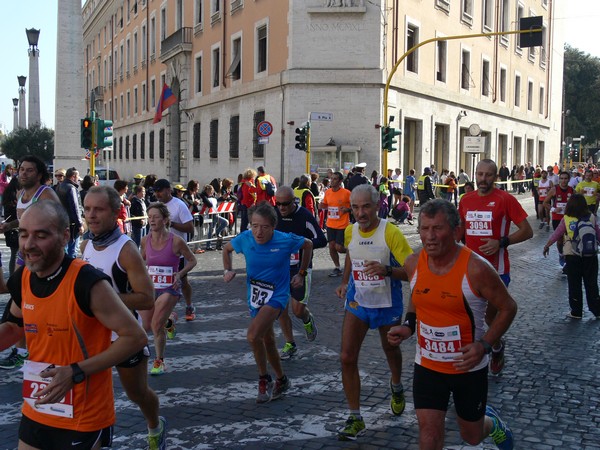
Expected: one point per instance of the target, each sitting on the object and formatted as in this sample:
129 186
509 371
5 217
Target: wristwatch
487 348
78 374
388 271
302 272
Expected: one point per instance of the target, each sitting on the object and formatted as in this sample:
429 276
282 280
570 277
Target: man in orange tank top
451 287
66 309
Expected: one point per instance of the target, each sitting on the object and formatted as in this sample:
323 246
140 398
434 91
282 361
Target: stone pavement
549 391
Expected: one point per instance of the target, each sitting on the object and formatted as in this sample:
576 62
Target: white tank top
371 291
107 262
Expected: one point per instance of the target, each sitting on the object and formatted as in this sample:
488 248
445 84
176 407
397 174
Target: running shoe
398 401
336 273
14 360
170 326
158 368
547 227
281 386
311 329
564 270
572 315
500 434
159 441
497 359
190 313
354 428
541 225
288 351
265 390
561 260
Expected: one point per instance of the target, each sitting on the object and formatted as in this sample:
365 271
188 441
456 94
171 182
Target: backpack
584 238
270 188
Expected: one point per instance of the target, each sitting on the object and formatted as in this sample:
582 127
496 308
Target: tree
29 141
581 78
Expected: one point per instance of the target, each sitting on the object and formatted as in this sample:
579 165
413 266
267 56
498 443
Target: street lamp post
15 113
33 36
22 117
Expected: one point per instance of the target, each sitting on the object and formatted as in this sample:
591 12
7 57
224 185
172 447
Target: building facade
236 63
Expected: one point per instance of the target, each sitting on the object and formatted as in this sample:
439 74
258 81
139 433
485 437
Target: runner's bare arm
142 291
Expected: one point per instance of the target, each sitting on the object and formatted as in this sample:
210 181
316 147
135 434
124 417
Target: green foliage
582 94
25 141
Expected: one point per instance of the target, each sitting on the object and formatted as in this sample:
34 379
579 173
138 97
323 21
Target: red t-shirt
489 217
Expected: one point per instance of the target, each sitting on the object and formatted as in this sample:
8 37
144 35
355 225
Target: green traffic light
104 132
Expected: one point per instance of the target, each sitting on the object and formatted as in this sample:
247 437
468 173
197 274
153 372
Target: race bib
560 207
295 259
260 293
33 383
439 343
361 279
162 276
589 191
479 223
333 212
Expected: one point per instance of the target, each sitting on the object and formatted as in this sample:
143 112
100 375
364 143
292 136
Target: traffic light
302 138
86 133
575 151
388 135
104 133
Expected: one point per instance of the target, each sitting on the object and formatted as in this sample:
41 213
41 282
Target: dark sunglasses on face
284 203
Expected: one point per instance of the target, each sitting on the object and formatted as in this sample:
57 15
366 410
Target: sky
581 17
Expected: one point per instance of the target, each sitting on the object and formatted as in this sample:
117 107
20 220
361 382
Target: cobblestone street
549 391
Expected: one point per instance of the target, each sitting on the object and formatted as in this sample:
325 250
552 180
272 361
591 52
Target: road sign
264 128
263 140
323 117
474 144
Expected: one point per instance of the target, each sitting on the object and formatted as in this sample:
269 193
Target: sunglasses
284 203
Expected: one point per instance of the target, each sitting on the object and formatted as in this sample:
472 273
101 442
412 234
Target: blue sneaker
500 434
561 260
159 441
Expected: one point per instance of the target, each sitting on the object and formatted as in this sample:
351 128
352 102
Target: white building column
70 95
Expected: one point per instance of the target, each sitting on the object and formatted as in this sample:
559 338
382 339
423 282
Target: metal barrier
204 218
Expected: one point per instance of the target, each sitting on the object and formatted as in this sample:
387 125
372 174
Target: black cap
161 184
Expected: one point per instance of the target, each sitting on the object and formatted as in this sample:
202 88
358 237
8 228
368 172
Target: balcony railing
180 41
99 93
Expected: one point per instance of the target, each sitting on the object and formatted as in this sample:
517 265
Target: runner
33 176
558 197
543 186
337 203
182 224
163 250
590 190
292 218
373 294
267 254
486 215
117 256
451 287
72 357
